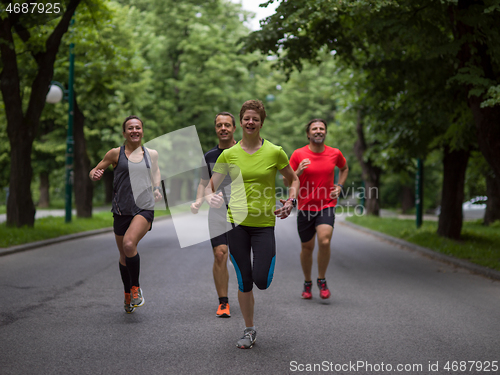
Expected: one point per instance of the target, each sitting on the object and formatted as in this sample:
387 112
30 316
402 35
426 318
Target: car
475 204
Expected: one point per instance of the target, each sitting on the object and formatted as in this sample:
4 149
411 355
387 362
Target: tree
492 213
28 32
454 167
195 69
391 38
475 26
110 83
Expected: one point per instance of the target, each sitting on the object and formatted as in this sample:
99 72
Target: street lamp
55 95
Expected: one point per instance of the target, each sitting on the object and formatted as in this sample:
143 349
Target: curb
471 267
68 237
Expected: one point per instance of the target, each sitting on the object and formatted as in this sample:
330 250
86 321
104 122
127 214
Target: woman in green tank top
252 164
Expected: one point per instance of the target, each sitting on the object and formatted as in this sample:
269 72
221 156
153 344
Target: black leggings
259 241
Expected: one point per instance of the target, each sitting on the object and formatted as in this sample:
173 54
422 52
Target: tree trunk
493 205
371 174
20 207
407 198
83 186
487 122
452 196
44 190
22 127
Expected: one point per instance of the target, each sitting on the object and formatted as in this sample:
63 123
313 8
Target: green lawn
50 227
479 244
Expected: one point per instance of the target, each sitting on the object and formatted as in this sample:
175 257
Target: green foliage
393 183
475 181
196 72
412 71
173 64
494 97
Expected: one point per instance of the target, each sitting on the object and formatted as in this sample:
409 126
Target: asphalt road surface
392 311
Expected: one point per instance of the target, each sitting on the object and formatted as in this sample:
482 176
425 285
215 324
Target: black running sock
308 282
134 267
125 278
223 300
321 281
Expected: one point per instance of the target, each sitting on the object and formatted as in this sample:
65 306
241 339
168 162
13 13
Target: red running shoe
306 294
324 292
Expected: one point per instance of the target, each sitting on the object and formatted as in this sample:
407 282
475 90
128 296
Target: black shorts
307 221
218 226
259 242
122 222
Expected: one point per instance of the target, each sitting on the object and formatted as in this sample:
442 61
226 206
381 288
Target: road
62 312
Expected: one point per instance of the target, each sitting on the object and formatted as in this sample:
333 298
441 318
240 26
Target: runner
315 164
252 208
225 126
133 217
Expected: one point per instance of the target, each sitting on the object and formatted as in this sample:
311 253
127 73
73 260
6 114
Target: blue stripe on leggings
271 272
238 274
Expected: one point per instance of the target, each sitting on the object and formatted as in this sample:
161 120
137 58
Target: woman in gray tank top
136 187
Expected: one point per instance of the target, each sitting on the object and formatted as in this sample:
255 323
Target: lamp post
55 95
419 192
69 136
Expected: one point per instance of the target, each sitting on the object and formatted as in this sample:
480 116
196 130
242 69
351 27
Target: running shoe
248 339
136 296
324 292
306 294
223 311
126 304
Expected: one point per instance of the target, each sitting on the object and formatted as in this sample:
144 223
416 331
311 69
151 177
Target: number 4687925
33 8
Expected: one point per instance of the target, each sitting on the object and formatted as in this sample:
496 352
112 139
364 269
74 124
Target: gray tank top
132 188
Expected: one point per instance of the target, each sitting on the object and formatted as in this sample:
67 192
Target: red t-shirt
316 181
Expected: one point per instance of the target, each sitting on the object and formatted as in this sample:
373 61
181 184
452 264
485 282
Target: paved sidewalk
56 212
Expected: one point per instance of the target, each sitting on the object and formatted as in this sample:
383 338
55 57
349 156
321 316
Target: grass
478 244
51 227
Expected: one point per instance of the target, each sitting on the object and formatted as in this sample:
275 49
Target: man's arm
156 175
343 173
200 196
214 200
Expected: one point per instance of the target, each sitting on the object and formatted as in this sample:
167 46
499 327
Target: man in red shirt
315 165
